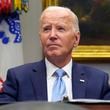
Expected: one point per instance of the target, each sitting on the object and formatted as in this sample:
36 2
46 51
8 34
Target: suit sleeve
9 88
106 88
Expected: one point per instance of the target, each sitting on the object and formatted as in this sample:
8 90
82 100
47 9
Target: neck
59 62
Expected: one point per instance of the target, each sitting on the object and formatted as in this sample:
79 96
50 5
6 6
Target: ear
77 39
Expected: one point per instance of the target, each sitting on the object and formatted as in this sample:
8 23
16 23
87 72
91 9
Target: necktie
59 88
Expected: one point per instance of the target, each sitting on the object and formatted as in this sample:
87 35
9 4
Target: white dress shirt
67 78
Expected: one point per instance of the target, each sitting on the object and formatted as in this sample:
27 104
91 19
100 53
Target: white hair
71 13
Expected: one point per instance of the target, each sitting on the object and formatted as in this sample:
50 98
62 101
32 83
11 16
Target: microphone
65 99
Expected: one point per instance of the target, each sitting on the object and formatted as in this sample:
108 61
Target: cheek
69 42
43 40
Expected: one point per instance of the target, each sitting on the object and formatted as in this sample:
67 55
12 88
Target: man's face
57 34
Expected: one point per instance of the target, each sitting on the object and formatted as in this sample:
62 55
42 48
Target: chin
50 54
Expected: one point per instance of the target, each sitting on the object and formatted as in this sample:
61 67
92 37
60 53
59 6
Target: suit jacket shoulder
26 82
91 82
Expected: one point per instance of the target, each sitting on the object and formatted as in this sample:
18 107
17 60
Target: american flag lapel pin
82 80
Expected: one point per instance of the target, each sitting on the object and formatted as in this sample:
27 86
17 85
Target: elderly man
56 76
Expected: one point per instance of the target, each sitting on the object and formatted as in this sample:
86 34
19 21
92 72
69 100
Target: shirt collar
68 68
52 68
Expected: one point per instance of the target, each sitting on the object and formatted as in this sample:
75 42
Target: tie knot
60 73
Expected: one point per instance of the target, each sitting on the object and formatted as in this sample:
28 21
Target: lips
53 45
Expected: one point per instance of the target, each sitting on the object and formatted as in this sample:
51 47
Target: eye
61 29
46 29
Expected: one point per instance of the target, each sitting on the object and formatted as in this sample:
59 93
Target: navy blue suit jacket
28 82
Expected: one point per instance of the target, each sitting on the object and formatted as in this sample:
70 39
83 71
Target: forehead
56 16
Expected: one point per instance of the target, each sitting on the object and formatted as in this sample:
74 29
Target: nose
53 34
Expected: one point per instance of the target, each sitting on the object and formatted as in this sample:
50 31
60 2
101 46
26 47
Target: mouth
53 45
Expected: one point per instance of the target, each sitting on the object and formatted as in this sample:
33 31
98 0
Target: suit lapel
38 76
79 82
39 81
